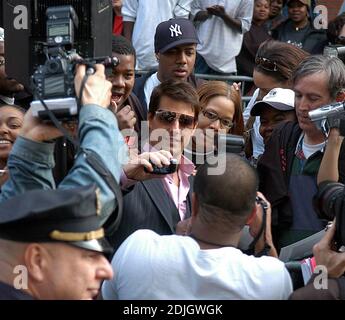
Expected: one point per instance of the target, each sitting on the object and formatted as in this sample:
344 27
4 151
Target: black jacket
148 206
274 168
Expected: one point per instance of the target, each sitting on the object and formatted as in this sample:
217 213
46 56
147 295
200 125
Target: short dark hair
121 45
228 198
176 90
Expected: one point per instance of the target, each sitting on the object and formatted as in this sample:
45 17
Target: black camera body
233 143
53 81
164 170
329 203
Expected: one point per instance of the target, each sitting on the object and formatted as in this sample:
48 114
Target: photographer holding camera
31 160
289 166
330 203
206 263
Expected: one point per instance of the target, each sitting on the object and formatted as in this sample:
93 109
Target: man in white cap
277 106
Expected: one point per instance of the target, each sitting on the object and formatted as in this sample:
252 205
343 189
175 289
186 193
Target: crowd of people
114 226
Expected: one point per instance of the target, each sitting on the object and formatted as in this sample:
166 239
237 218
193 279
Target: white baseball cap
278 98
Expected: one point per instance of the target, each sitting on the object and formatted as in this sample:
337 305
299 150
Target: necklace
211 243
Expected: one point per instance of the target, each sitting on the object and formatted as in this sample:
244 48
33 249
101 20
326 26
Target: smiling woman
11 121
220 113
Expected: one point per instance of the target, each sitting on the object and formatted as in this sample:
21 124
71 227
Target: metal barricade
229 79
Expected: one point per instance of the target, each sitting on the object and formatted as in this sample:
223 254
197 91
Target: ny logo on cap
175 30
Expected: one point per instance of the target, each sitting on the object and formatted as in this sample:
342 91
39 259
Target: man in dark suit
160 202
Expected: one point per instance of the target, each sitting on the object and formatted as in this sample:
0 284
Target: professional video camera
329 116
329 203
53 82
335 51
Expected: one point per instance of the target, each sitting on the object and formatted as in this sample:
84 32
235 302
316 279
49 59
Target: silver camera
329 116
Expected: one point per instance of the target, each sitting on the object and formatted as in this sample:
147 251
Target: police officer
52 245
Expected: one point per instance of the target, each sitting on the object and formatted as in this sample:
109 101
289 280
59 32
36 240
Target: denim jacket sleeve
30 163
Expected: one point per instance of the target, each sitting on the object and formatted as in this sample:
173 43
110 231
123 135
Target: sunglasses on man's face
266 64
168 117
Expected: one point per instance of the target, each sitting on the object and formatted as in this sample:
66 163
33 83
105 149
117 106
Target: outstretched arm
329 165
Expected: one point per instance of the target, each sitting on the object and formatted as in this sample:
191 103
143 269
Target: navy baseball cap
174 32
70 216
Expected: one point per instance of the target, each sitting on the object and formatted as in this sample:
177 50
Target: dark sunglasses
266 64
169 117
213 116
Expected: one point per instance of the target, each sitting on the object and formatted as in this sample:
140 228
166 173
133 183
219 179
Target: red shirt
118 25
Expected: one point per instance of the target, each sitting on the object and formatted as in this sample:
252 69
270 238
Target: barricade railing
226 78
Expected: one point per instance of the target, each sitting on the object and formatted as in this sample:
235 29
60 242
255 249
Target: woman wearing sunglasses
220 113
274 64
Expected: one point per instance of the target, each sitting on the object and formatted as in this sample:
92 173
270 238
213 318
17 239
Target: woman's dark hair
334 28
285 56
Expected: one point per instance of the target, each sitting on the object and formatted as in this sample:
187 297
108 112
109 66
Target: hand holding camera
148 165
97 92
325 254
97 89
260 227
329 116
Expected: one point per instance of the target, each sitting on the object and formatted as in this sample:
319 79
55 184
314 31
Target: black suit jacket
149 206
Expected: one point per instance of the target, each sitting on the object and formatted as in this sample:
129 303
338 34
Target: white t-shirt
221 44
147 14
257 140
150 84
148 266
309 149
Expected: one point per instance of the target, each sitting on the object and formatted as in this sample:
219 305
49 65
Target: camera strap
113 222
267 248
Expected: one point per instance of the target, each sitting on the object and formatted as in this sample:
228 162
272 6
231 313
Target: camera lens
325 201
53 66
